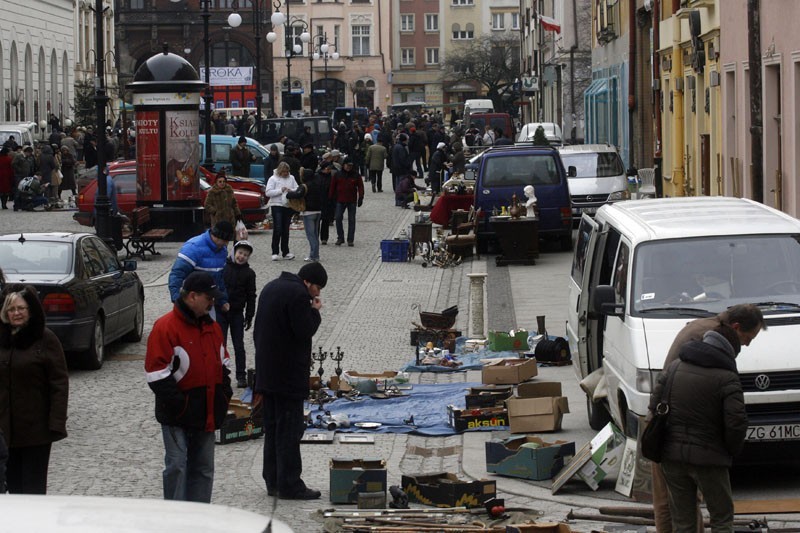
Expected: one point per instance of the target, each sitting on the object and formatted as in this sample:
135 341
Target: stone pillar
478 315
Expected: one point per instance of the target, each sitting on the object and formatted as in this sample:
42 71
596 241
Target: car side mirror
632 171
605 301
129 265
572 171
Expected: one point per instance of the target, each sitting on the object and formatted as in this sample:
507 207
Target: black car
89 297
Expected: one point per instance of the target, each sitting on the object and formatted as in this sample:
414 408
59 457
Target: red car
249 194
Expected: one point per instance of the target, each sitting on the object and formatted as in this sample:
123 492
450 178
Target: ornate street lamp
291 47
324 52
234 21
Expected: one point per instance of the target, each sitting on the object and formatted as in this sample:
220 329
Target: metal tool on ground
399 498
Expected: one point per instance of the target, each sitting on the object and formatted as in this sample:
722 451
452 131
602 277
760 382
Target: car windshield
594 165
35 257
520 170
713 273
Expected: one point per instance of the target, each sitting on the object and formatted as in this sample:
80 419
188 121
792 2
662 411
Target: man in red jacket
347 189
187 368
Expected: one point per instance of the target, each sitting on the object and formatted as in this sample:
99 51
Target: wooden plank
790 505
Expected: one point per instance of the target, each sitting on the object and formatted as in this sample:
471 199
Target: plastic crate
394 251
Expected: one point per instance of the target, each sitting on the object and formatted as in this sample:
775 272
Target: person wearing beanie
401 162
206 252
287 318
375 160
221 202
437 166
240 281
746 320
241 158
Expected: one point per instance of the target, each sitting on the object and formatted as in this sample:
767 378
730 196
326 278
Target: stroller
31 194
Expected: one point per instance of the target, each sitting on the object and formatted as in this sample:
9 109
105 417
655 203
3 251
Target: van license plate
589 210
777 432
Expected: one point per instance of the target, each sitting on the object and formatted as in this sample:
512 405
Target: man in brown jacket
748 321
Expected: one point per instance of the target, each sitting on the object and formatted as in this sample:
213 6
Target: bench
140 239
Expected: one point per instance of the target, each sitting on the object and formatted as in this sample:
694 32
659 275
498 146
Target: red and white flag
549 24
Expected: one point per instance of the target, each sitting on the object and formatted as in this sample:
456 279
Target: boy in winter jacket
240 281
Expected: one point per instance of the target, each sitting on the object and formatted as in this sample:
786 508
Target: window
498 21
463 2
137 4
459 34
361 34
621 274
406 22
431 56
581 247
520 170
407 56
514 21
431 22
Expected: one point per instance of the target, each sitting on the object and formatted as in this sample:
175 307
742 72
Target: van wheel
598 414
565 241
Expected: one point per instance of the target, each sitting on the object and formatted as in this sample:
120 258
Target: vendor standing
241 158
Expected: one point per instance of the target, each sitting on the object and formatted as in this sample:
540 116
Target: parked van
600 176
23 132
495 120
506 170
361 114
476 105
643 269
221 153
551 130
274 128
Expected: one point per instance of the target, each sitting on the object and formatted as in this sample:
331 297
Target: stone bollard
478 315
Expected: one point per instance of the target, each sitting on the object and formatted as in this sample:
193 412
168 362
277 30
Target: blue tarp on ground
428 404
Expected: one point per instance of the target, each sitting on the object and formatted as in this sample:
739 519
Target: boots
4 199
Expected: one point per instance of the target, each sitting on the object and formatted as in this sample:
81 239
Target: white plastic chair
647 183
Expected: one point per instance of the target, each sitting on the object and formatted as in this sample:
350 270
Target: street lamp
102 201
234 21
208 163
324 53
290 45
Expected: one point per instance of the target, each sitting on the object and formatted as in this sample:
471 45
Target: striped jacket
199 253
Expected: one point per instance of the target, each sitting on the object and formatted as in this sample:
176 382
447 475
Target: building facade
419 41
37 54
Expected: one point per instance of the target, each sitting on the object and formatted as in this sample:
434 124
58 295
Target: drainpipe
756 114
572 49
657 99
631 78
677 105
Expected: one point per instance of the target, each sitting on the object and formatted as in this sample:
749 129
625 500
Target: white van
476 105
642 269
599 179
23 132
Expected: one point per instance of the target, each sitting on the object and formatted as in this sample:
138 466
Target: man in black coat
286 320
401 162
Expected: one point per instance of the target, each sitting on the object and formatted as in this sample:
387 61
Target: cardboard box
470 419
543 527
511 458
237 429
508 371
448 490
489 396
502 341
538 407
595 461
349 477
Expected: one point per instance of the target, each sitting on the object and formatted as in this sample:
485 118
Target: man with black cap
308 159
205 252
187 367
241 158
287 318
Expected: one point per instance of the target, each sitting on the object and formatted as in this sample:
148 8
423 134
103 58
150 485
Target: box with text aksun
527 457
537 407
509 371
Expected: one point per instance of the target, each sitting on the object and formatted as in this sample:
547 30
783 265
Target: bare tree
491 60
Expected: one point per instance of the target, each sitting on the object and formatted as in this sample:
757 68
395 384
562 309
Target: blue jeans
311 224
284 425
188 464
235 321
351 221
281 220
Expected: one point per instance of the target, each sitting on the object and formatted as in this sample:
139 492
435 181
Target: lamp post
102 203
208 163
234 21
290 46
325 54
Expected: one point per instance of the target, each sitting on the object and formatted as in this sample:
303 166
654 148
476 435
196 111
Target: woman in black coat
315 197
34 389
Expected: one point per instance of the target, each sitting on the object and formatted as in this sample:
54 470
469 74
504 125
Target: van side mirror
572 171
605 301
632 171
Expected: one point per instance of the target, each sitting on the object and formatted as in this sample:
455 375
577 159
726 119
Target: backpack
26 184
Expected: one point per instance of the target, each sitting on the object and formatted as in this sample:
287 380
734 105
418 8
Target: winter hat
367 137
440 146
243 244
223 230
242 139
203 282
314 273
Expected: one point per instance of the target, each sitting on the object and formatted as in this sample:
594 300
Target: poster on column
148 156
182 154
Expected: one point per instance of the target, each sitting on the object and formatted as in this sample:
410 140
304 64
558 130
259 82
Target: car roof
45 236
586 148
521 147
673 218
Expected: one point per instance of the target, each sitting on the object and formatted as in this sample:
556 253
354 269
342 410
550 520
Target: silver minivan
600 177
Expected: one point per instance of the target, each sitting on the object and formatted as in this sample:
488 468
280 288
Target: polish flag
549 24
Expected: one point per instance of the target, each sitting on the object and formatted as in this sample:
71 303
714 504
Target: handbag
296 200
652 440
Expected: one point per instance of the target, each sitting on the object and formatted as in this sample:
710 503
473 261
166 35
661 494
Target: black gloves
360 201
248 324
